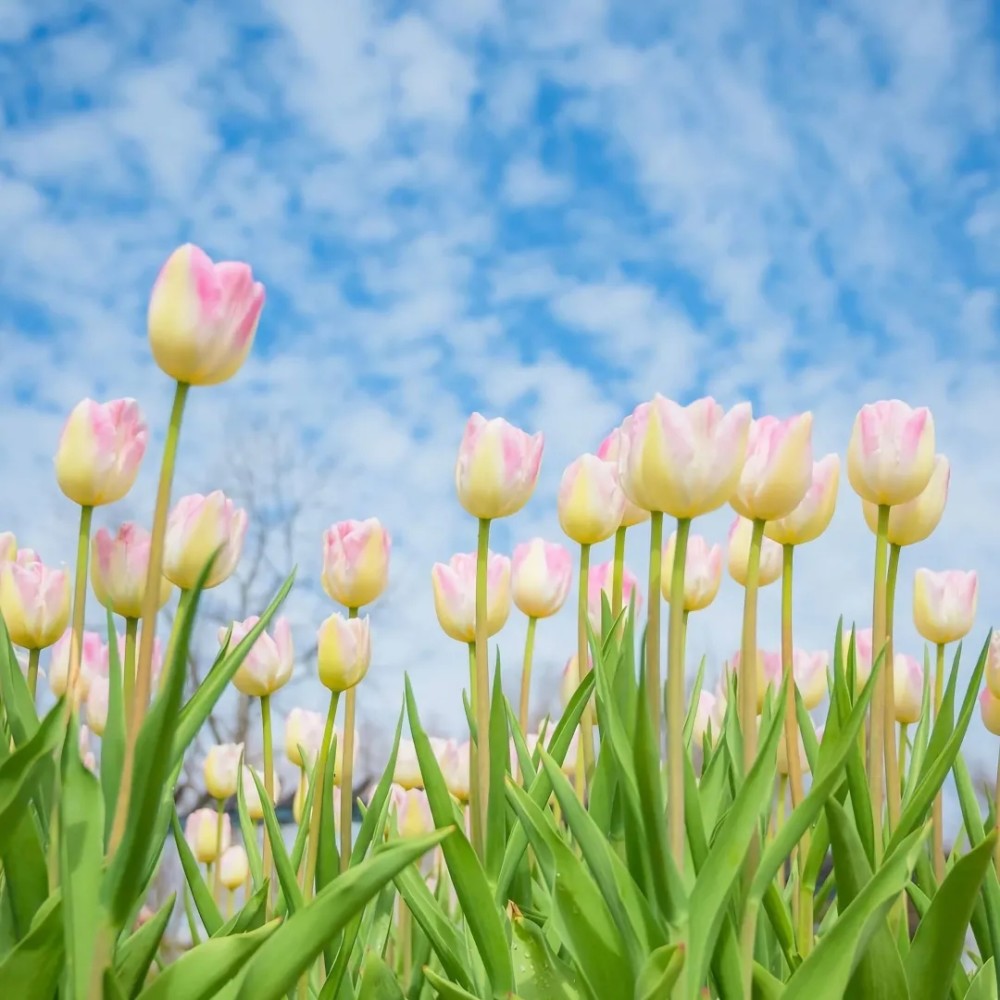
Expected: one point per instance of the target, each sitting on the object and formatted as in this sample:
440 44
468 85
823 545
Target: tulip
810 673
100 450
234 867
255 808
197 527
908 680
86 754
97 704
455 595
407 771
268 664
356 561
497 467
590 500
708 717
34 600
782 758
702 571
739 555
541 574
412 811
201 833
222 764
93 663
8 547
915 520
891 454
993 664
610 451
600 582
944 604
118 570
989 706
815 511
203 316
570 680
863 655
454 760
344 651
777 472
304 729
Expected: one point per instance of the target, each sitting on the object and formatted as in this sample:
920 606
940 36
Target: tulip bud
591 503
989 706
944 604
702 571
118 568
222 764
203 316
782 758
97 704
863 655
739 555
915 520
570 679
407 771
234 867
610 451
993 664
497 467
304 729
708 717
8 547
100 450
269 662
255 810
813 515
198 526
86 754
455 595
356 561
659 442
891 454
908 688
454 761
810 673
34 600
600 581
541 575
201 831
777 472
412 811
93 663
344 651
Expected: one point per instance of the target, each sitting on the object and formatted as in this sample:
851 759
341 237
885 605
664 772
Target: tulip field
773 832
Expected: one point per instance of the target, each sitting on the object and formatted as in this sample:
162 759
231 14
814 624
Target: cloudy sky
545 212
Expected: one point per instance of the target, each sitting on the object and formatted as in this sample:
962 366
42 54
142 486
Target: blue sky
546 212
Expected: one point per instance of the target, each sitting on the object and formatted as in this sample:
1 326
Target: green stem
189 913
529 652
675 685
482 693
583 664
938 811
406 934
892 784
347 773
876 769
79 607
618 573
33 655
131 629
319 775
217 866
473 750
653 685
265 722
902 752
996 804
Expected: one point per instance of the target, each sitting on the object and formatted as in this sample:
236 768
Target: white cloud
527 182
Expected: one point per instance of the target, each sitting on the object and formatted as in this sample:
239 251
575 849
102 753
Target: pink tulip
93 663
610 451
201 831
407 771
989 706
86 754
8 547
915 520
739 555
808 671
344 651
702 571
198 526
412 811
34 600
813 514
303 728
708 717
600 581
234 867
97 704
100 450
222 769
777 472
203 316
993 664
590 501
255 808
891 454
570 679
863 655
356 561
944 604
497 467
454 761
269 662
455 595
908 688
541 575
118 568
683 460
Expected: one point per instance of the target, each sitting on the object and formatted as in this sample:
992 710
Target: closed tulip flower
815 511
739 555
497 467
86 754
222 769
118 567
810 673
599 583
455 595
610 451
197 526
708 717
908 688
234 867
993 664
915 520
777 472
93 663
590 501
201 831
8 547
989 706
356 561
100 450
344 651
570 679
702 571
268 665
863 655
304 729
944 604
255 810
34 600
203 316
455 761
97 704
412 811
407 771
683 460
782 758
541 575
891 454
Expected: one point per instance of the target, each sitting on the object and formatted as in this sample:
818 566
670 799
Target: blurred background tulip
777 471
739 555
119 565
455 595
344 651
356 561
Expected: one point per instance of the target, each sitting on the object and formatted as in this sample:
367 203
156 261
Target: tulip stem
79 607
317 804
618 573
128 667
473 750
33 655
482 692
150 606
902 752
529 652
347 772
675 686
893 788
653 687
876 770
938 812
996 813
265 722
583 663
217 867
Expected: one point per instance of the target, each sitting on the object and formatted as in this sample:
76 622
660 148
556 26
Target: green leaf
377 980
660 973
204 901
112 988
18 704
275 969
937 946
136 953
984 983
541 974
282 863
33 969
113 738
249 918
249 832
692 710
765 986
496 807
446 990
